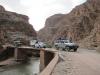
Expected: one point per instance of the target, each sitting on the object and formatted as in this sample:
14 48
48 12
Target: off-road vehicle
65 45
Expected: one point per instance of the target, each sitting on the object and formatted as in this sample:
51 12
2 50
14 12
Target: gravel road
82 62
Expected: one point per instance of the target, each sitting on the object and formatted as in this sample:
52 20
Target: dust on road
82 62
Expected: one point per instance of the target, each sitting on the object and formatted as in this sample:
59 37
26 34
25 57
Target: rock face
14 25
47 33
82 24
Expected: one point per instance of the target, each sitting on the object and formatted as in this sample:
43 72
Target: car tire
64 49
75 49
33 46
57 48
68 49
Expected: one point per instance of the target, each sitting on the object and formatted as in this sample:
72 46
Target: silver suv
66 45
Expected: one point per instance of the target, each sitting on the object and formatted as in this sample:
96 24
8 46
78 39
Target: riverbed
29 68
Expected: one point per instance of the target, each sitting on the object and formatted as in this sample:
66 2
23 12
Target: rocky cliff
82 24
13 25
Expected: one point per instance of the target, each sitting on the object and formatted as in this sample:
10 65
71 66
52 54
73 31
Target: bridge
48 57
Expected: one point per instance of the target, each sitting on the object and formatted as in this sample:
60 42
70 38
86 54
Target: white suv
66 45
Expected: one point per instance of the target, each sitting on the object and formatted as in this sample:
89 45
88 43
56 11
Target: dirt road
82 62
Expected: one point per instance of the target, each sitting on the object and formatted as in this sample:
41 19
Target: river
30 68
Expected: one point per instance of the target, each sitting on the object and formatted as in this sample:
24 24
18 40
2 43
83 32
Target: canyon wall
82 24
13 26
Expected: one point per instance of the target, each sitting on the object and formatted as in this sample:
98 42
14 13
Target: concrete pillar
16 54
42 61
19 54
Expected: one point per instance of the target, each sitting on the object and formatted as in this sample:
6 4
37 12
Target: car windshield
63 41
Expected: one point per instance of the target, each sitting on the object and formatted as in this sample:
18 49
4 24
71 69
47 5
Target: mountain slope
14 25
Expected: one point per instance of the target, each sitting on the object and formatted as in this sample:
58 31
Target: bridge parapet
21 53
48 60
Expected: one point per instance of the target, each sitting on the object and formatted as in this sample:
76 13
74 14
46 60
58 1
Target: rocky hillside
47 33
82 24
13 25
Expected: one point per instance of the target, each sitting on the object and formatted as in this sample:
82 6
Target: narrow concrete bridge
48 57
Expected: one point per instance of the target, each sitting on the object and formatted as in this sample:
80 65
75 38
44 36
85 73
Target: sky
39 10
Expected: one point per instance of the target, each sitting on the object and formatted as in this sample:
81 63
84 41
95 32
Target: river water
30 68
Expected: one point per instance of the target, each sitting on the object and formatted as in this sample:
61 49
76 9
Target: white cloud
39 10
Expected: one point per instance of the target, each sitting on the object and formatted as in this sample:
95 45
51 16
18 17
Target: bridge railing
48 60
